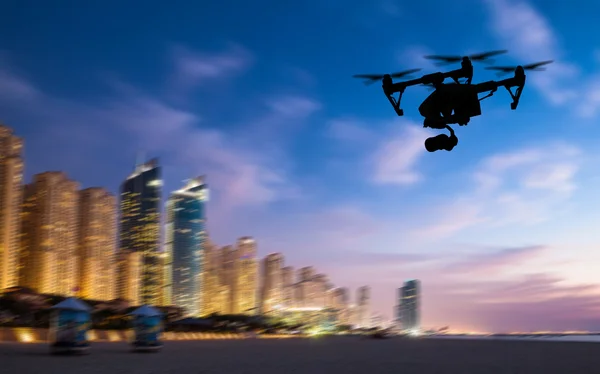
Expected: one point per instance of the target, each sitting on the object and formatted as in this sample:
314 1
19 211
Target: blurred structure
11 193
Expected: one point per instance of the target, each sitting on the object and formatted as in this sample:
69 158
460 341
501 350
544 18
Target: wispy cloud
242 174
526 186
531 38
490 262
395 160
192 68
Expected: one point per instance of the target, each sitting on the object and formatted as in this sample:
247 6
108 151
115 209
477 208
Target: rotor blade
447 59
537 64
404 73
368 76
501 68
486 55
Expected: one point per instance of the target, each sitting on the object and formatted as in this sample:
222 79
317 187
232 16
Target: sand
348 355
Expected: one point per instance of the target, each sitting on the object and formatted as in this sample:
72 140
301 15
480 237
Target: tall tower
49 249
272 284
287 280
140 227
129 276
247 279
216 291
410 305
185 244
363 307
11 192
97 244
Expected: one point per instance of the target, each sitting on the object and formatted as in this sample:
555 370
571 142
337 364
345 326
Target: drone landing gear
396 102
442 141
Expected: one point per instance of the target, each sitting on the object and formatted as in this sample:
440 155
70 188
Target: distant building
129 276
246 296
11 194
363 307
97 244
140 227
185 242
272 283
410 305
49 256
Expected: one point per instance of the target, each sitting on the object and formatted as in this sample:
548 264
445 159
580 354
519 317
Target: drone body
454 103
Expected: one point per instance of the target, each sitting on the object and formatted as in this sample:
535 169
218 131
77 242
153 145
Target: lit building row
57 238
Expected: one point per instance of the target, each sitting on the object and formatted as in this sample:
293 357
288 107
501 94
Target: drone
456 102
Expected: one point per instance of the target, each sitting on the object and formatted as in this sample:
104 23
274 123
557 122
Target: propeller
502 70
372 78
481 57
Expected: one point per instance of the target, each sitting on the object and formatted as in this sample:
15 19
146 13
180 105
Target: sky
259 97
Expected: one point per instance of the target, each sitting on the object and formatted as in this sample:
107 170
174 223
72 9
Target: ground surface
347 355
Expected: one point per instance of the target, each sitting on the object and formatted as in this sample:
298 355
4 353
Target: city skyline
317 166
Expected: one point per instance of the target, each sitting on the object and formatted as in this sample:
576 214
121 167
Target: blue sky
259 97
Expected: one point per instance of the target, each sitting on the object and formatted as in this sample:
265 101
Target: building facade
49 257
11 193
246 292
363 307
410 305
185 245
140 227
97 239
272 283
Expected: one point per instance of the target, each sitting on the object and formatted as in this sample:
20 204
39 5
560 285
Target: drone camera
513 106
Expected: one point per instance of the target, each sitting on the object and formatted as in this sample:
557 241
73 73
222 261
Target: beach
327 355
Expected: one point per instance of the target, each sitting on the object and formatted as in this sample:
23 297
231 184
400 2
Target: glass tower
140 227
186 238
410 295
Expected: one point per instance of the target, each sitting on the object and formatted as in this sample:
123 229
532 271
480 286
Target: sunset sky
503 231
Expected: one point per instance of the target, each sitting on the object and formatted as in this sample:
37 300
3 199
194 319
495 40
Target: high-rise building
49 258
247 277
272 283
216 289
287 280
11 192
97 244
140 227
185 243
129 276
410 305
363 307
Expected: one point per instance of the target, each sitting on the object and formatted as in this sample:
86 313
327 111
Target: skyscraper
247 276
185 244
410 305
287 280
140 227
49 248
216 289
97 244
129 276
11 192
272 282
363 309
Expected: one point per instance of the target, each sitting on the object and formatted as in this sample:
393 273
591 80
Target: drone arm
390 88
517 81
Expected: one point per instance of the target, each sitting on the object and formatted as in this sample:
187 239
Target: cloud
531 302
192 68
241 174
526 186
395 160
350 130
490 263
589 105
519 25
412 56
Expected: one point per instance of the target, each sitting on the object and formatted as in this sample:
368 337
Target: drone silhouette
456 102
